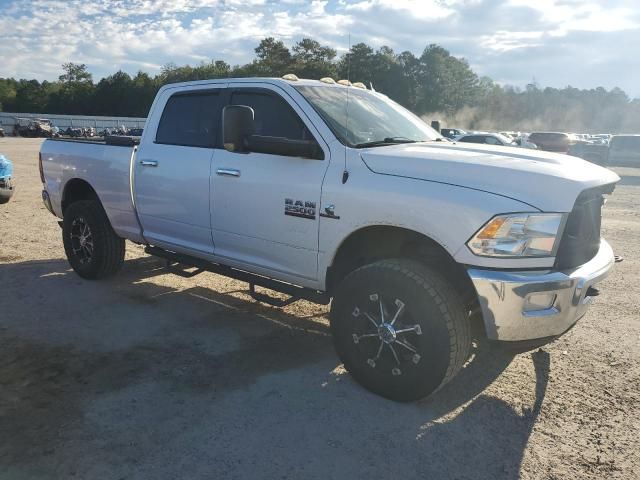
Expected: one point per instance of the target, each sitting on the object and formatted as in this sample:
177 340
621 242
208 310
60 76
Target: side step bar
295 292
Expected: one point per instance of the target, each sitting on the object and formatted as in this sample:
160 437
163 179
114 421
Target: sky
582 43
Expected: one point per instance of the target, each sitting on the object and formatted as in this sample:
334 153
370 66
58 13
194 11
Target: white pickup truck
333 193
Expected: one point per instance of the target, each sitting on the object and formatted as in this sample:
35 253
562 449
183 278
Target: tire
92 247
432 323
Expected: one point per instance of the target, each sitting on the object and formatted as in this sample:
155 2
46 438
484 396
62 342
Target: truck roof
272 80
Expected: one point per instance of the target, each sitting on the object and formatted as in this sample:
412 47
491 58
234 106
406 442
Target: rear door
265 206
173 169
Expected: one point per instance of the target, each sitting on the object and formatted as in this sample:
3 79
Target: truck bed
103 165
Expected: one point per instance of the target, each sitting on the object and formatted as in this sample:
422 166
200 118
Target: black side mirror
237 126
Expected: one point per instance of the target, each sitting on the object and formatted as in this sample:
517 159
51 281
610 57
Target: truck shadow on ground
70 346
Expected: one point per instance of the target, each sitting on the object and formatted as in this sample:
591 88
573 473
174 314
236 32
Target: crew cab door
173 170
265 207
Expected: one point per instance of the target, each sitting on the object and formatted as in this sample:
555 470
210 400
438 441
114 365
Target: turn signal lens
492 228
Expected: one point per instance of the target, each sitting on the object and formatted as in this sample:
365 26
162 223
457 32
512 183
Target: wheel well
375 243
77 189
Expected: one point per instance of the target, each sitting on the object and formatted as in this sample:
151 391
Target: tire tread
111 257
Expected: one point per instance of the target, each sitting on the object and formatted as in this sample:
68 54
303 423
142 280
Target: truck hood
548 181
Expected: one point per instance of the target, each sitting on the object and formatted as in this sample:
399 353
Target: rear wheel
400 329
92 247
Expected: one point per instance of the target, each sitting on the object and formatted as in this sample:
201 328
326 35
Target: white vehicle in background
512 135
493 139
601 138
332 193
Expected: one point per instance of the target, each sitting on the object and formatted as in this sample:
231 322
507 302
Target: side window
273 116
492 141
190 119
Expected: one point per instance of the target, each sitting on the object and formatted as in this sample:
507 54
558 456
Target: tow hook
618 258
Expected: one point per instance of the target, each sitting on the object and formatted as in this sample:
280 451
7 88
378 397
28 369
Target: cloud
579 42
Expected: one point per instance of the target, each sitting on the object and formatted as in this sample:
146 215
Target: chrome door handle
149 163
230 172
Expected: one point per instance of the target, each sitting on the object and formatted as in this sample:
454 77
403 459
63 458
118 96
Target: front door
265 207
173 170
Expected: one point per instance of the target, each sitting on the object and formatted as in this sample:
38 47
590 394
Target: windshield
373 119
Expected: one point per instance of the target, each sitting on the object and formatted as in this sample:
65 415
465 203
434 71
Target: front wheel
92 247
400 329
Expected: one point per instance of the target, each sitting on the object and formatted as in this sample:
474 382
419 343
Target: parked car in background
486 138
1 132
6 179
593 152
452 132
624 150
512 135
33 127
136 132
73 132
493 139
553 141
602 137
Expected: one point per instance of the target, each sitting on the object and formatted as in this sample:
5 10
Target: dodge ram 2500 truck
333 193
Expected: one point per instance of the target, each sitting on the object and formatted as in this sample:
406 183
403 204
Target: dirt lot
153 376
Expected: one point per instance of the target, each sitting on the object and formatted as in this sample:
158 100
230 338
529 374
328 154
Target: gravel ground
150 375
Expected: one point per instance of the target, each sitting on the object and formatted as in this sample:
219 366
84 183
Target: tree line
435 85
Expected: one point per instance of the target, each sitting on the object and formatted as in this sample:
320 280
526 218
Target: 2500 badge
298 208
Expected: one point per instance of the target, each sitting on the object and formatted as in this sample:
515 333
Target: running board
294 291
269 300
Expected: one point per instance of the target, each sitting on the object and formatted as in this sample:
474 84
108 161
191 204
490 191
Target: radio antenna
345 172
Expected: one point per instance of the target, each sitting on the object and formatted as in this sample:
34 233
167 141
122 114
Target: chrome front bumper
520 306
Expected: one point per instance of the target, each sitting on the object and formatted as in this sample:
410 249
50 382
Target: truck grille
581 238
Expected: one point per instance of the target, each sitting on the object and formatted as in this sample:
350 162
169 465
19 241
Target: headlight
518 235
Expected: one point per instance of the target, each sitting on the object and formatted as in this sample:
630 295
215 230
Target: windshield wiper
385 141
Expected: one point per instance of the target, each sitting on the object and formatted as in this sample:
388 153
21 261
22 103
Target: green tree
76 91
274 59
312 60
436 81
446 83
114 95
75 73
31 96
7 93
